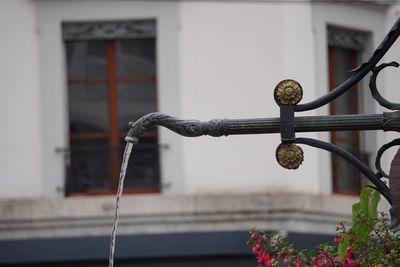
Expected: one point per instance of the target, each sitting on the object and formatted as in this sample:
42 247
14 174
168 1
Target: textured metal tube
218 127
308 124
253 126
339 123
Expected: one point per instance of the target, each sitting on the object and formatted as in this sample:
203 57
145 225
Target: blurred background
74 73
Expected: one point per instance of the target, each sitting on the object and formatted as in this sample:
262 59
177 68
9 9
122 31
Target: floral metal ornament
289 156
288 92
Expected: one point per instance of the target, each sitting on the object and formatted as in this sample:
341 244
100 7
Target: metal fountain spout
288 94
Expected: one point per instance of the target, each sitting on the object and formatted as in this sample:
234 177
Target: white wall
232 55
53 77
20 142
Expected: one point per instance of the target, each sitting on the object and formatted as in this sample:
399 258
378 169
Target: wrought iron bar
358 73
380 186
374 90
388 121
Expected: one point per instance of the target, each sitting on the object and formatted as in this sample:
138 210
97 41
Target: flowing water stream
125 160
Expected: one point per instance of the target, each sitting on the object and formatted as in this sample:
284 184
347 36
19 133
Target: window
111 71
345 48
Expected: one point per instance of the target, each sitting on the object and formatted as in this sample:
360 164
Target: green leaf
342 248
364 215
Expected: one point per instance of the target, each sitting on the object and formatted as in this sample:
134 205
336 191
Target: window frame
332 111
339 37
123 30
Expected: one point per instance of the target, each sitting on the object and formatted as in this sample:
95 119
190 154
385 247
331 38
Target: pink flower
263 258
256 248
337 260
316 262
337 240
350 252
349 263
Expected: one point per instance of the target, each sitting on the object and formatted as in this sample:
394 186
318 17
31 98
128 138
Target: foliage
368 242
364 215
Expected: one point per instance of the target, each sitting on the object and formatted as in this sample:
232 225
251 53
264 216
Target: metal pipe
218 127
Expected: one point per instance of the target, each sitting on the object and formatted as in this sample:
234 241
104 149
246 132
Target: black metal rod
358 73
381 187
378 166
220 127
308 124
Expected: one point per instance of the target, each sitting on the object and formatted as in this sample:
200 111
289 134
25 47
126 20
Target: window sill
114 192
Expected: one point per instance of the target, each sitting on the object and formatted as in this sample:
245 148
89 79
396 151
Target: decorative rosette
288 92
289 156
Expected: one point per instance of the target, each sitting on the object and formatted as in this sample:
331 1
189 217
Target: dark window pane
134 101
143 170
88 108
344 62
136 58
89 167
86 60
347 174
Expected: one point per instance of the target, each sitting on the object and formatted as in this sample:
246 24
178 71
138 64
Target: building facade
75 72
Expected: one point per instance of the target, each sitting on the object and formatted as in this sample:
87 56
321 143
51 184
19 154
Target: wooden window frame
332 109
113 135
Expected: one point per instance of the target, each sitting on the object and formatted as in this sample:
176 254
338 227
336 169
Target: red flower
337 260
349 252
263 258
348 260
256 248
349 263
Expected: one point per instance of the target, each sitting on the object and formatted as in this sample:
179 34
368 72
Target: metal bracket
287 94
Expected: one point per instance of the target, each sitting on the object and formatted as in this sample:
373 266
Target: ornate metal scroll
288 94
374 90
357 74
